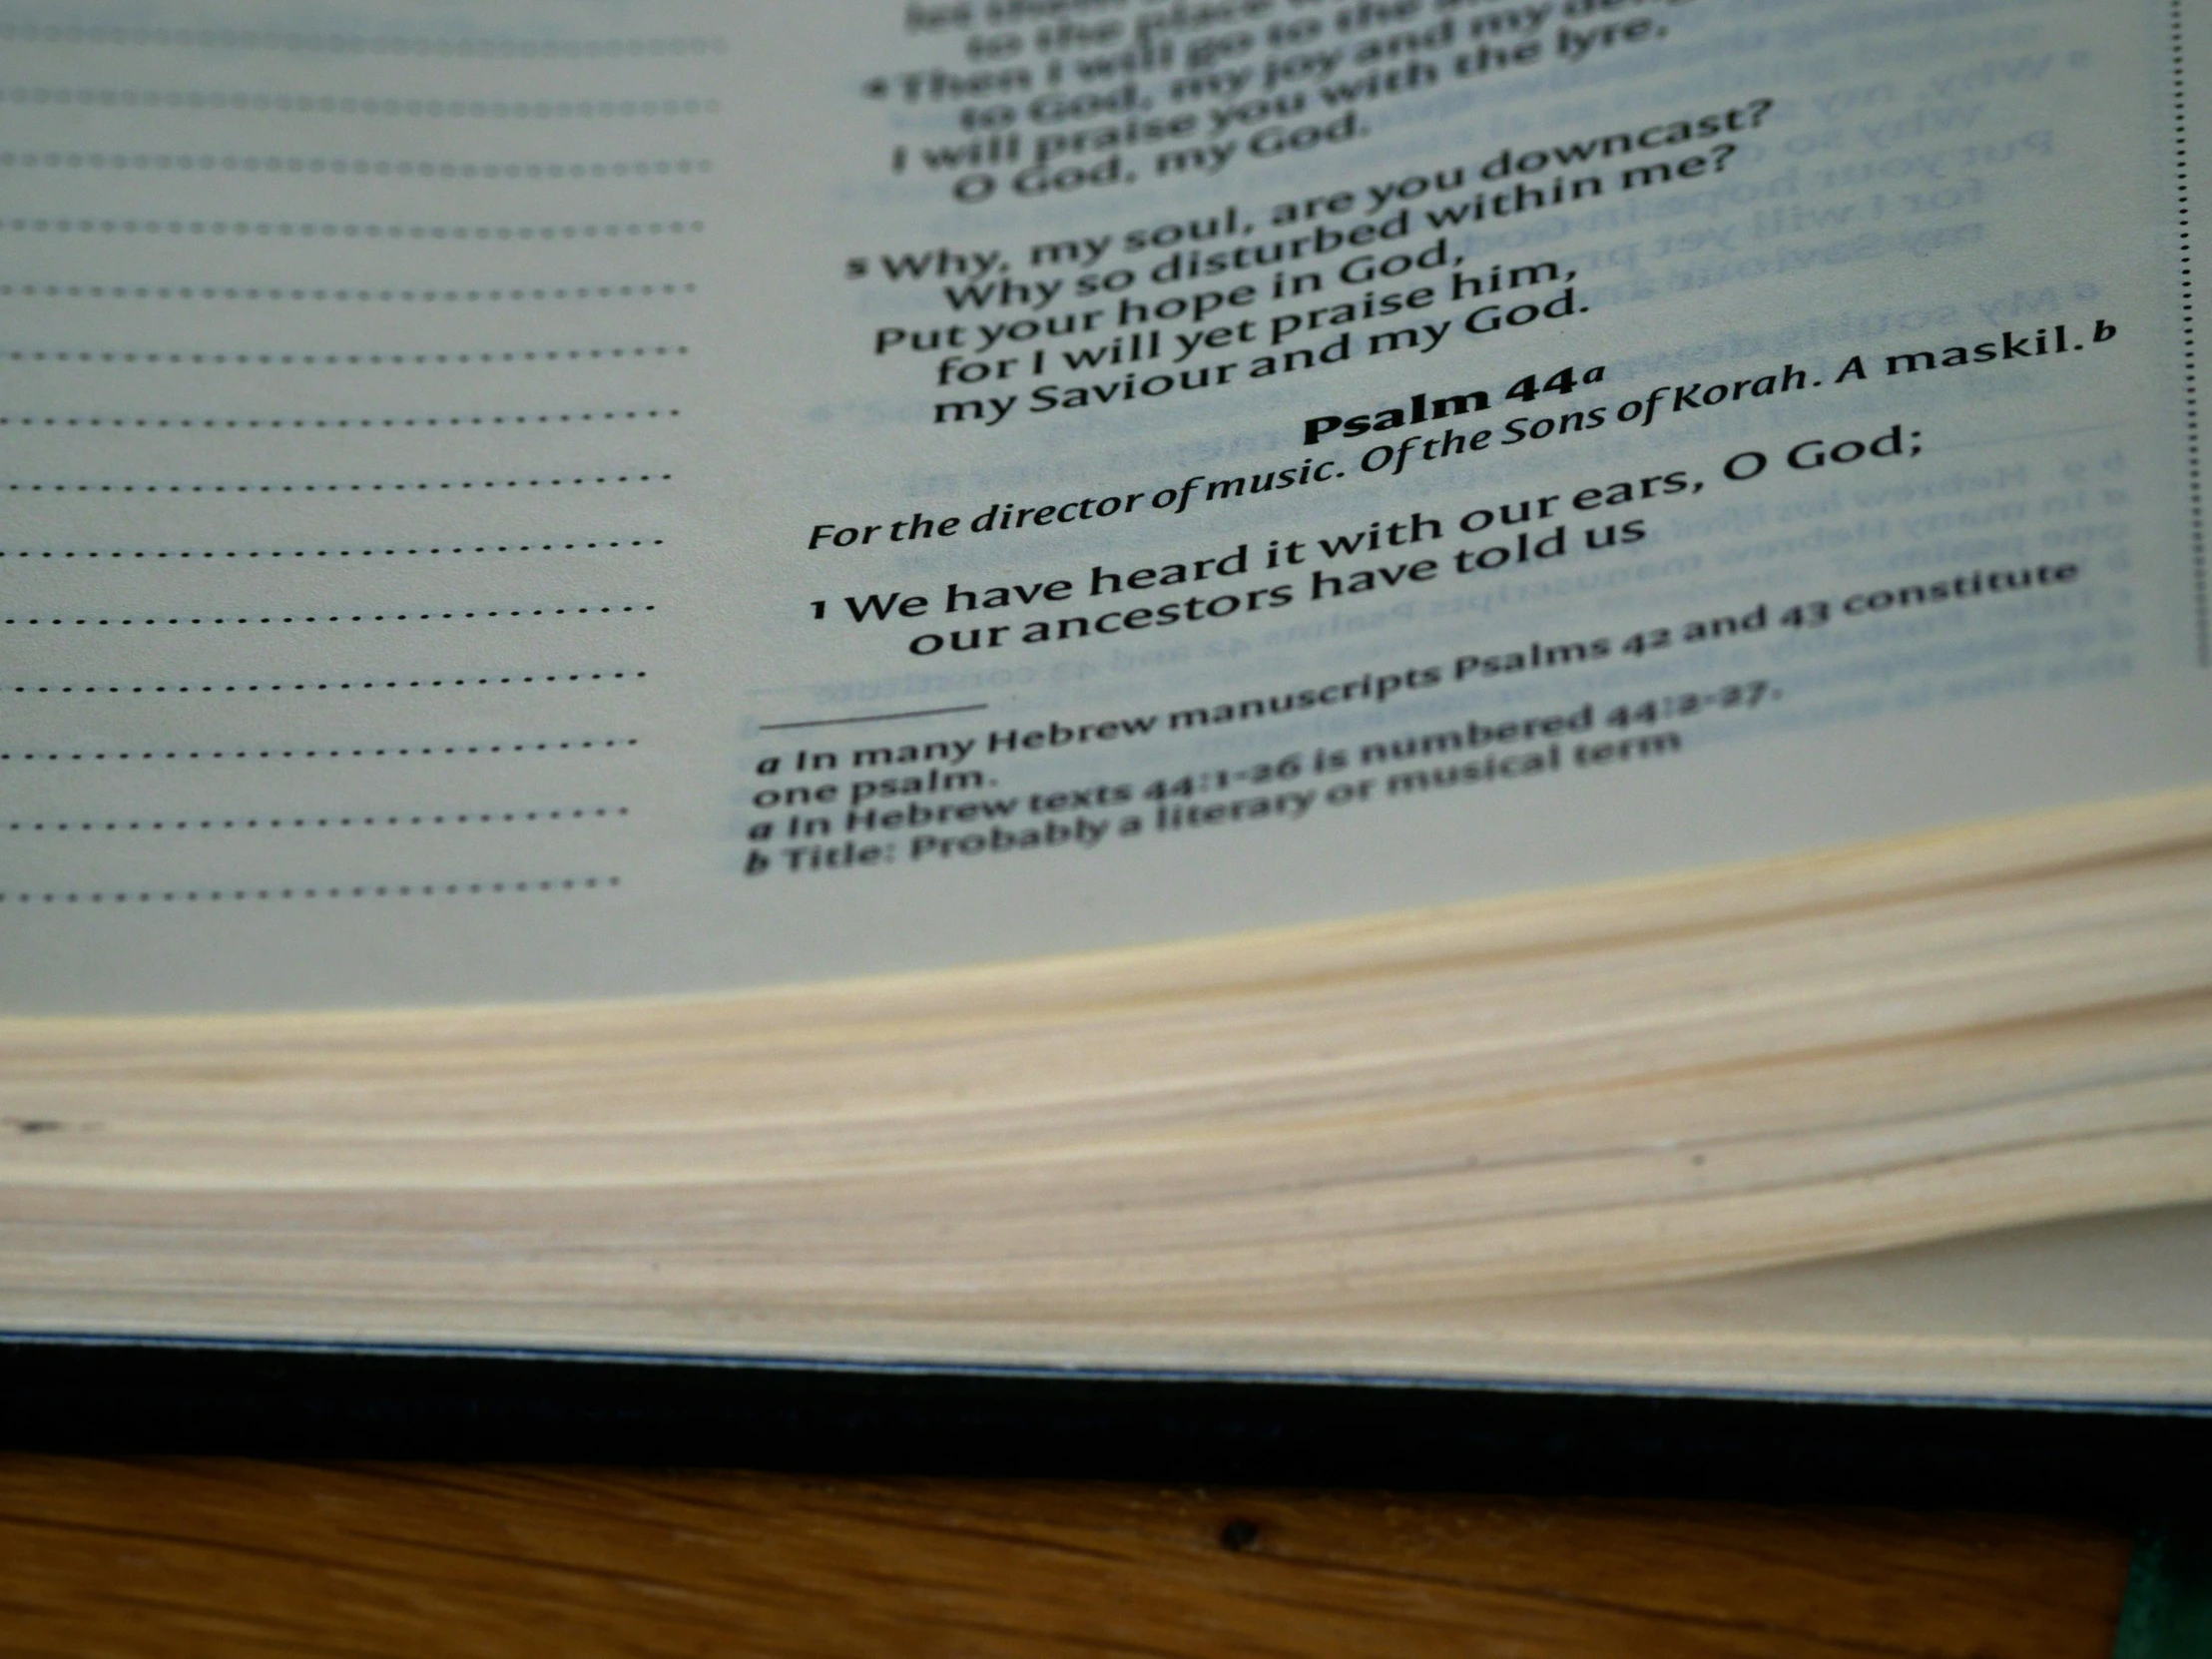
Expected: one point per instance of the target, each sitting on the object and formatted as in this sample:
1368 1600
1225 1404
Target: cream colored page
600 499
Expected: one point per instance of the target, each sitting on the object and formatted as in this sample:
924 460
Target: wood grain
224 1556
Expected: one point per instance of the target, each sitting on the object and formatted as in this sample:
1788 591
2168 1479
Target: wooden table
229 1557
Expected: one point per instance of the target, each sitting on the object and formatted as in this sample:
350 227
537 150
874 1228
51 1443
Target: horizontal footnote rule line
863 719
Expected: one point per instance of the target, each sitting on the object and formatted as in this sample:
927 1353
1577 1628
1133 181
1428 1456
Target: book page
599 499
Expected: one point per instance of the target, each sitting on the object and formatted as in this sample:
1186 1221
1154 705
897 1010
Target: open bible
1381 688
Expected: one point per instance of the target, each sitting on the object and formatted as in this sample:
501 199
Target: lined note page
347 372
585 499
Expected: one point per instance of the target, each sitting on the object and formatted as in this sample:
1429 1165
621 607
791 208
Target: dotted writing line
272 622
336 489
277 40
2201 584
392 233
282 103
314 552
254 423
390 751
213 895
360 166
347 359
455 683
368 820
184 291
